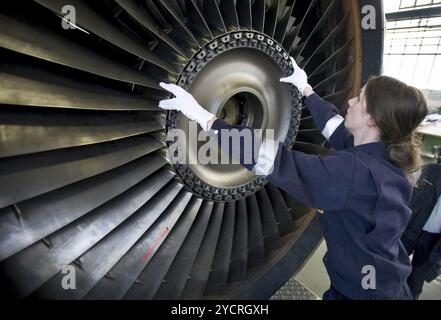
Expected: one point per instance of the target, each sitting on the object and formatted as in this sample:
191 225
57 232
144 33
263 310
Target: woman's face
357 117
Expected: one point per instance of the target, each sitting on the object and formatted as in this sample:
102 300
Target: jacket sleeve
249 140
328 120
323 182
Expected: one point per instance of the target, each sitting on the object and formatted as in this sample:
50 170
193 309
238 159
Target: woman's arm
328 120
320 182
323 182
243 150
325 115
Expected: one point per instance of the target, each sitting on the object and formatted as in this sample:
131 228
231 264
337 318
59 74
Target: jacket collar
377 149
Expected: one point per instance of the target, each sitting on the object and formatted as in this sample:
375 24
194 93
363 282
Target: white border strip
266 157
332 125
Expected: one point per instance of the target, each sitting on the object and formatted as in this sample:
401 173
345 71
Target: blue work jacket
363 196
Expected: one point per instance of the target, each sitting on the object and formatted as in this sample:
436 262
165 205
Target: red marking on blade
155 243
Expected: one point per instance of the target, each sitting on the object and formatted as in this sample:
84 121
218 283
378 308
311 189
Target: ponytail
398 109
405 153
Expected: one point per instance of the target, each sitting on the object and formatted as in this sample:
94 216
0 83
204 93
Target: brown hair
397 110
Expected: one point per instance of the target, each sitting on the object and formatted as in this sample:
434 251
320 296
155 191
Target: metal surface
237 68
24 87
294 290
45 214
53 48
75 239
249 65
58 168
21 135
84 181
91 20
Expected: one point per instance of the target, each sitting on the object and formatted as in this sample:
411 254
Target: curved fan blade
281 210
302 22
323 19
256 249
145 19
332 79
239 254
43 260
258 15
214 17
19 88
48 46
34 219
38 173
90 20
218 277
271 237
283 25
195 285
151 277
244 13
174 282
229 14
120 280
21 135
178 21
197 22
271 18
99 260
330 37
337 55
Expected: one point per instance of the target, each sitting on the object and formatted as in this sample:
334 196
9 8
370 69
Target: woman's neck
367 135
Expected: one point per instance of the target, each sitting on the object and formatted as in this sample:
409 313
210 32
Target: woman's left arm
329 122
325 115
323 182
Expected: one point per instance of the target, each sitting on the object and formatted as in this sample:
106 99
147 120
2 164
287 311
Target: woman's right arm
328 120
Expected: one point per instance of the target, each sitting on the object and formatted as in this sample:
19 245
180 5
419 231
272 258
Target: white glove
298 78
185 103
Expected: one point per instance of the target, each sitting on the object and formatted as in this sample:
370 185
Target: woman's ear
371 122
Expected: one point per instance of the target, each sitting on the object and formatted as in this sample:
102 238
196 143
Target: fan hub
244 108
236 76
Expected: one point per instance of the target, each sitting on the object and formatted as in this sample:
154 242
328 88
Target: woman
363 188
